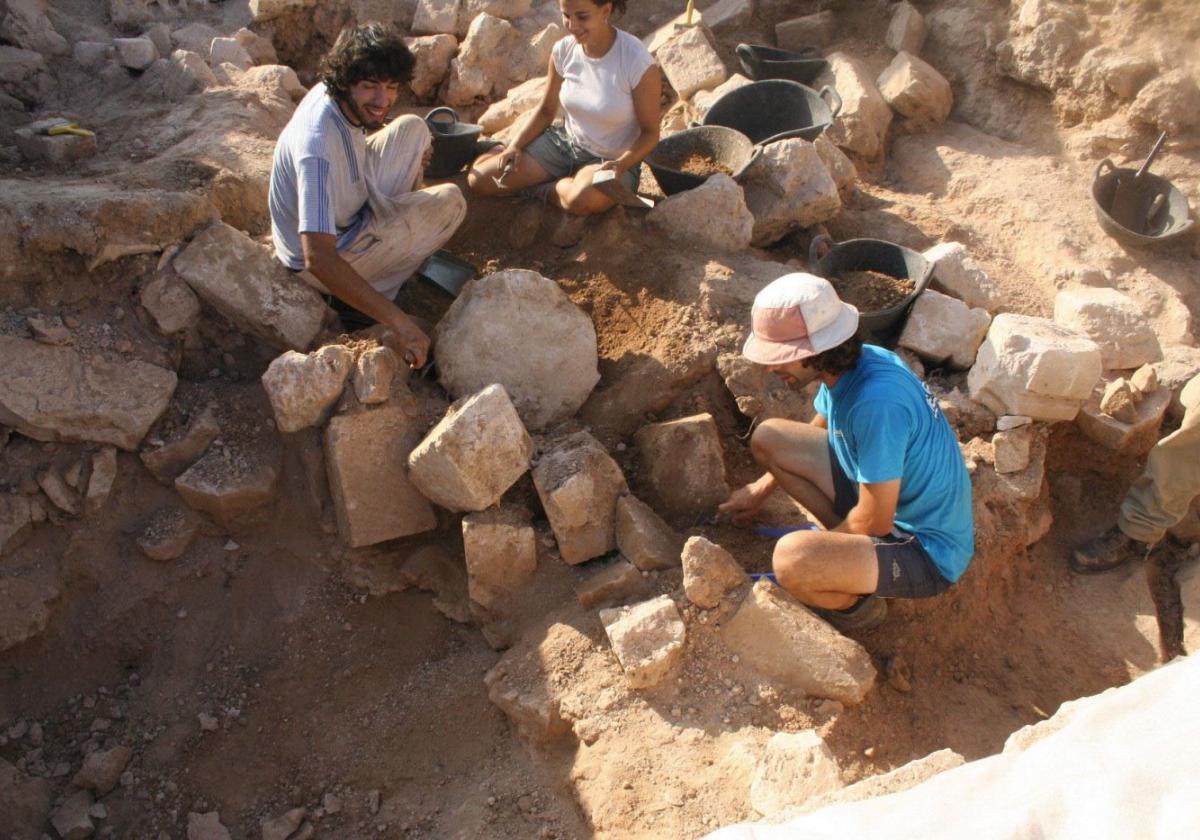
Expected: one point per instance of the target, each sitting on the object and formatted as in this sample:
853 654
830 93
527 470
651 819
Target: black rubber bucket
776 110
453 142
724 145
762 63
1159 202
873 255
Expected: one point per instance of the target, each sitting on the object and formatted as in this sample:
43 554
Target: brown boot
1107 551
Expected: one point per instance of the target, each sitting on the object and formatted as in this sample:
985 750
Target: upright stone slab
916 91
1112 319
684 465
647 639
644 538
957 274
783 640
579 484
1035 367
789 188
690 63
709 571
477 451
229 482
520 330
366 456
863 122
906 30
501 553
244 282
944 330
796 767
56 393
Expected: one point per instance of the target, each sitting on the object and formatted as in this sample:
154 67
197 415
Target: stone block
260 49
862 125
169 460
690 62
784 641
100 482
186 73
160 34
373 374
789 188
303 387
1012 449
916 90
579 484
102 769
618 582
726 16
92 55
712 215
684 465
485 59
957 274
1034 366
906 30
647 639
501 554
194 37
170 302
943 330
1136 437
815 30
1144 381
1118 401
433 54
477 451
839 167
643 536
519 329
796 767
229 483
1115 321
1170 103
436 17
704 99
709 571
229 51
71 819
524 97
136 53
262 10
366 458
168 534
57 393
1008 422
59 150
1046 57
56 490
244 282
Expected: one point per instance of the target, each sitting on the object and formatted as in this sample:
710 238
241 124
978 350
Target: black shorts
905 569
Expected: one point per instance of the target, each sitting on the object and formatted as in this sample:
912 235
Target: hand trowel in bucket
1130 199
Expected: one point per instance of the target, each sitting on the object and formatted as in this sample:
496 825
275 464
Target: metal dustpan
447 272
607 182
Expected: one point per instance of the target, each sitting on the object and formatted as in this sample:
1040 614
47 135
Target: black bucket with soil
686 159
881 279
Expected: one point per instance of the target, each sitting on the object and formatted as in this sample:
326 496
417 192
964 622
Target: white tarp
1124 764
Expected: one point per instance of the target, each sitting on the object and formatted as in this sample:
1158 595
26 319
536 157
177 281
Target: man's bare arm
875 513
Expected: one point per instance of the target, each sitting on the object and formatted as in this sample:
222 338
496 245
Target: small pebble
232 546
181 614
869 752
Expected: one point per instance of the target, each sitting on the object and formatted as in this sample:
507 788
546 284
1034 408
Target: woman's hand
508 162
615 166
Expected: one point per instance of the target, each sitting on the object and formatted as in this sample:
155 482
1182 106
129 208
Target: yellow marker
691 7
70 129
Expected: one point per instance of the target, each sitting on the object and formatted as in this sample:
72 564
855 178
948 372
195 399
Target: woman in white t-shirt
609 88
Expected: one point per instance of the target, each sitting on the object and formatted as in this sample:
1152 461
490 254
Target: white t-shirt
597 93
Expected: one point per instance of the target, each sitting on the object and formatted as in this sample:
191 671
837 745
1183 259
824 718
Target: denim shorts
905 568
562 157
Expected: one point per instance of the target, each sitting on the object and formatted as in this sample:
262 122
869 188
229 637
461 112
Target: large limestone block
712 215
1047 57
519 329
957 274
1035 367
709 571
136 53
229 484
170 302
229 51
862 125
57 151
906 30
433 54
783 640
789 188
433 17
944 331
579 484
1115 321
501 553
366 457
525 96
1134 435
796 767
268 9
690 63
1170 103
644 538
302 387
26 25
647 639
477 451
684 465
916 91
484 59
55 393
840 167
243 281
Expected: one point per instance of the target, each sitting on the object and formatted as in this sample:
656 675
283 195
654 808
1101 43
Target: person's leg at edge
826 569
797 454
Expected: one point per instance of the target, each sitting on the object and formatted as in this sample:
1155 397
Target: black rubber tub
724 145
776 110
1162 206
453 142
762 63
873 255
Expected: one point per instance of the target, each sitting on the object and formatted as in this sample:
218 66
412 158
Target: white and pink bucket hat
797 316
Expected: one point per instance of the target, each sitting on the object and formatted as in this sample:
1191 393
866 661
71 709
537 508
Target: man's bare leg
797 454
826 568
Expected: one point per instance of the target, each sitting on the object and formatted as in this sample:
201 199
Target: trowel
607 181
1128 204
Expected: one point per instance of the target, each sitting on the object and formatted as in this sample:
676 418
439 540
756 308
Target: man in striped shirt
348 211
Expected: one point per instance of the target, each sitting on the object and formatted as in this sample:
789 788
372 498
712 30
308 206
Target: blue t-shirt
884 424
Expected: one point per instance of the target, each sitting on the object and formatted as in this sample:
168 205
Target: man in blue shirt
879 467
348 212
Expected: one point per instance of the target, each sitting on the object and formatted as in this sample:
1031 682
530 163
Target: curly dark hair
838 360
371 51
